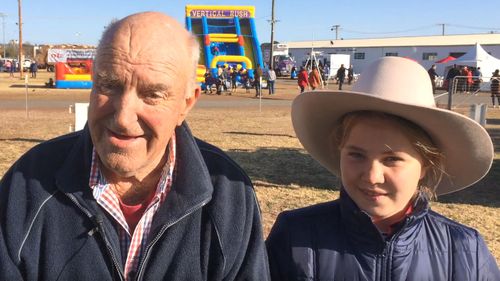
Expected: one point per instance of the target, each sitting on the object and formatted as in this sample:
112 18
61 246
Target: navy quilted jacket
337 241
51 227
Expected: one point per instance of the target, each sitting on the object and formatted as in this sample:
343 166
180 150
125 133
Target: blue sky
82 22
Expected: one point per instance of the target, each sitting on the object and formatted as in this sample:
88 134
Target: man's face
138 98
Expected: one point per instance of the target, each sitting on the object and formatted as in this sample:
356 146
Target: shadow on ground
30 86
495 135
284 166
259 134
24 140
486 192
291 167
493 121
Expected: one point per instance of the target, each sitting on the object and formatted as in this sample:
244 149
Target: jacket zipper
147 253
387 253
99 229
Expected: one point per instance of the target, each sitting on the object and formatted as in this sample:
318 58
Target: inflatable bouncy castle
76 74
227 35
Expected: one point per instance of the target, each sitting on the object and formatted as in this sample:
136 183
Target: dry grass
264 144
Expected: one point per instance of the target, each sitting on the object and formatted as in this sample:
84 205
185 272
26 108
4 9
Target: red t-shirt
133 213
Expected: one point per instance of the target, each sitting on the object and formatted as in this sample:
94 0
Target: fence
465 86
465 90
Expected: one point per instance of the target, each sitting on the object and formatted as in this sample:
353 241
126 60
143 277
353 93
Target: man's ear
190 102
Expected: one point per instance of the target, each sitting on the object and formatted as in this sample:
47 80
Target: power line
388 32
474 27
3 16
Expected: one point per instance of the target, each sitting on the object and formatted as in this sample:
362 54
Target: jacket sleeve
254 265
279 250
237 222
487 266
8 268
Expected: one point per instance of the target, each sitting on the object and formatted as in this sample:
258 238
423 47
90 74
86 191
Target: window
391 54
429 56
359 56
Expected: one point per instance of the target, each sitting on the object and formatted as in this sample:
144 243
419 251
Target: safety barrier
466 87
477 112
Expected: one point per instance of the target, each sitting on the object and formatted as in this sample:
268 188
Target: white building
424 49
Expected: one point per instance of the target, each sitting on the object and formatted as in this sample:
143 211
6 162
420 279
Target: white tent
476 57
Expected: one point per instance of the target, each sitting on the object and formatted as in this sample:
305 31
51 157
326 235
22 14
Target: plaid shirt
132 245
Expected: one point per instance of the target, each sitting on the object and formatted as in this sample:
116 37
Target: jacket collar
361 229
191 188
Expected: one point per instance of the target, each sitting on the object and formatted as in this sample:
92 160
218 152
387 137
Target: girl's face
380 169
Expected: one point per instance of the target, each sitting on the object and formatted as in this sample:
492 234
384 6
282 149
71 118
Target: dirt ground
256 133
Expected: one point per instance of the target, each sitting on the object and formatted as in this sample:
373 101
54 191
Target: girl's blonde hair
431 155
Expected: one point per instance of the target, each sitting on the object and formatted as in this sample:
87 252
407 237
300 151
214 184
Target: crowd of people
319 75
467 80
135 196
12 66
229 77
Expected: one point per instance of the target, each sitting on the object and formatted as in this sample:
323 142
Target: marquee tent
445 60
477 57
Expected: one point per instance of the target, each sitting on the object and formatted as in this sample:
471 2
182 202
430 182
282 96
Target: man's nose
127 106
374 173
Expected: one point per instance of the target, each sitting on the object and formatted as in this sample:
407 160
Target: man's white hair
194 54
193 49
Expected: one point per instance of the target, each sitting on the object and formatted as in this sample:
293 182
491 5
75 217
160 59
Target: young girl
393 149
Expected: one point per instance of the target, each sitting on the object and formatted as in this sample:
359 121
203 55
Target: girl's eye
392 159
355 155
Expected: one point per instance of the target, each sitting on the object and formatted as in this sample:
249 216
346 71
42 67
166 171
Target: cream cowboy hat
400 87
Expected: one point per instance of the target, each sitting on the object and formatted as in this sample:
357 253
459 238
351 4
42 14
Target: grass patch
264 144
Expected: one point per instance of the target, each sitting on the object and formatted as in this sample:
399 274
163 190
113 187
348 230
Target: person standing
341 76
302 79
33 69
433 75
478 77
234 77
12 68
293 73
350 74
134 195
469 81
451 80
271 78
314 78
393 150
8 65
257 75
326 73
495 87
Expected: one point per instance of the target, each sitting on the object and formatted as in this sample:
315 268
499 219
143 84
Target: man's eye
154 97
107 89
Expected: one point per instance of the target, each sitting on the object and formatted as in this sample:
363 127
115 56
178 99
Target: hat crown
398 80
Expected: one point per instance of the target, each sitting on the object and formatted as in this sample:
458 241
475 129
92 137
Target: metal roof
446 40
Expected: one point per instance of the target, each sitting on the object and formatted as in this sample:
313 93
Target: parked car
26 65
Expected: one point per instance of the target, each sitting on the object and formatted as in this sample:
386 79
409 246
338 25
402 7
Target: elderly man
134 196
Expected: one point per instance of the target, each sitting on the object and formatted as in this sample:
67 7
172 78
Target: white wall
371 54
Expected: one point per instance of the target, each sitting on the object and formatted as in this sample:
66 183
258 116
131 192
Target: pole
442 28
26 95
20 40
336 27
271 60
3 16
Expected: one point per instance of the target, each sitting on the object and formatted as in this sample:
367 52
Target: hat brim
466 145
